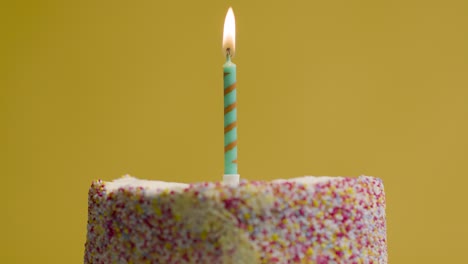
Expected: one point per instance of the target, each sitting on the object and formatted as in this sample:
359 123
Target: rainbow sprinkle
340 220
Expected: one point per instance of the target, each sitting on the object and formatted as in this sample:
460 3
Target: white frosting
129 181
152 185
308 180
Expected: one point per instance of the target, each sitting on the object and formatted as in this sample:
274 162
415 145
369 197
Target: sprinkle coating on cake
333 220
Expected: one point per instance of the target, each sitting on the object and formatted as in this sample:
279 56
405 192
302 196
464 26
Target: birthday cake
304 220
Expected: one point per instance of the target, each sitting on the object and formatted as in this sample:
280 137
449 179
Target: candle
230 101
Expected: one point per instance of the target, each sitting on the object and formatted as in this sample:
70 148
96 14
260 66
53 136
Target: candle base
231 179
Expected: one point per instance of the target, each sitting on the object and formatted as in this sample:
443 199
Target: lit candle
230 101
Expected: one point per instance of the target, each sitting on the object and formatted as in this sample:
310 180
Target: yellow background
97 89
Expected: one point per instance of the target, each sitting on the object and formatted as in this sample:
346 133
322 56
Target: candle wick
228 54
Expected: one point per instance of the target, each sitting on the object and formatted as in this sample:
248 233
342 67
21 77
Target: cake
303 220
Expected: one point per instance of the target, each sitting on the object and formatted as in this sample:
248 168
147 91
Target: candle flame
229 33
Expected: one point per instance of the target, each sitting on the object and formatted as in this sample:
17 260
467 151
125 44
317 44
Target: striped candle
230 100
230 117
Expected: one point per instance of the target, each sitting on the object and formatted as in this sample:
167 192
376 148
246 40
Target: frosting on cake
303 220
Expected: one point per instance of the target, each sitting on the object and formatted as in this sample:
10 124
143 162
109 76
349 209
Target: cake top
155 186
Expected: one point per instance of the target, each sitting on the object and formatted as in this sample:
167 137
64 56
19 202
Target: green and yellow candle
230 101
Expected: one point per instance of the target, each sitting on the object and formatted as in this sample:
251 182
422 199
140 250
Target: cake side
324 220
